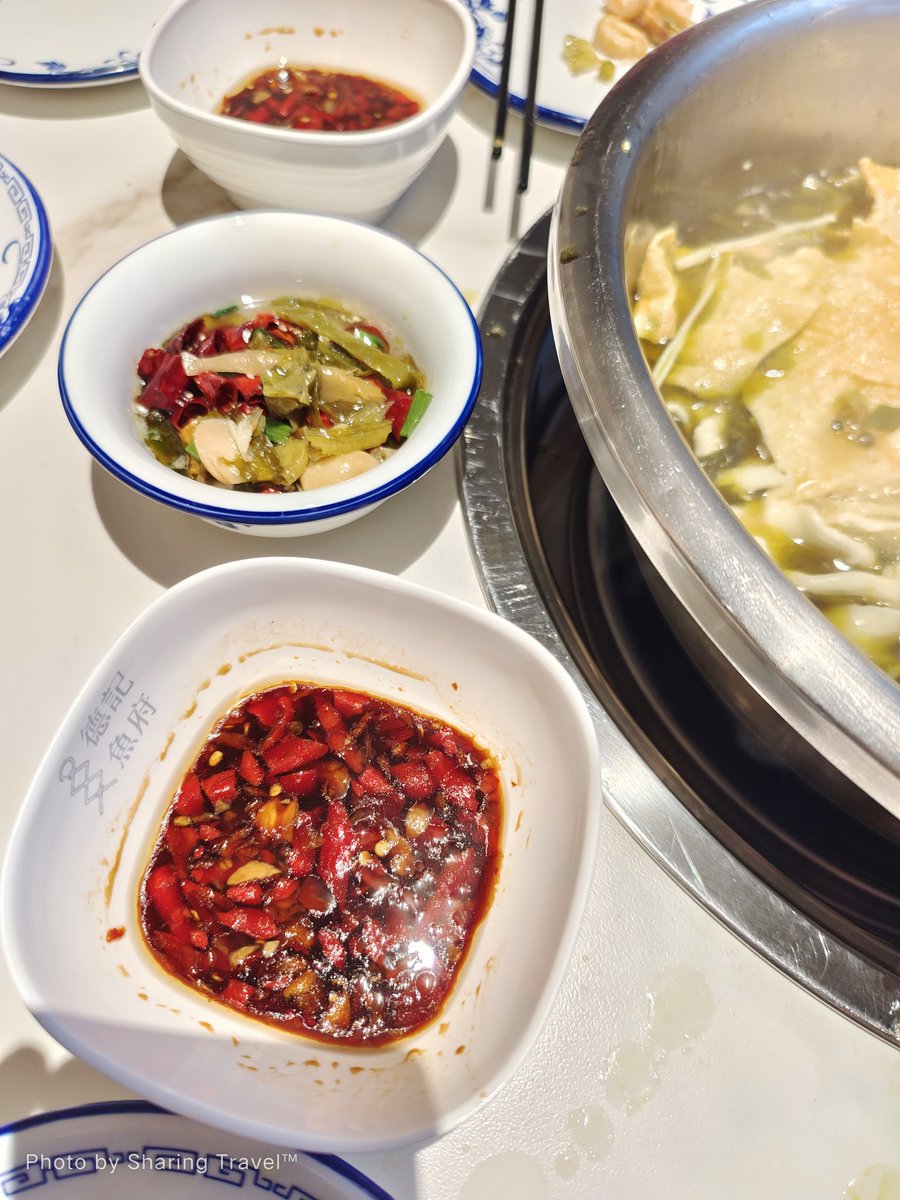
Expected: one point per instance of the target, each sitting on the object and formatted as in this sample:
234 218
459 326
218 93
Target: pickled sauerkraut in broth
776 346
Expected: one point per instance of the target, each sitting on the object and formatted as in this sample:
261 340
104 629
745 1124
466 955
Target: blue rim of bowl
550 115
284 516
107 1108
40 273
70 78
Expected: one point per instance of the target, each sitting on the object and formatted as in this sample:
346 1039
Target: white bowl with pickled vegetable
375 355
204 50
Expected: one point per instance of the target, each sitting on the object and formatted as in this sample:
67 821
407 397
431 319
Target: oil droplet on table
877 1183
681 1007
510 1174
631 1076
591 1130
565 1164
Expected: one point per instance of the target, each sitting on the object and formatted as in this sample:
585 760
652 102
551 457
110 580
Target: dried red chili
325 101
327 872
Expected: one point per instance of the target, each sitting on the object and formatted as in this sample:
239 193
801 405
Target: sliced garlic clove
336 468
218 450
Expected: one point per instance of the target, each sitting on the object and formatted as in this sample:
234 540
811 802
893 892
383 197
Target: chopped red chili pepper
166 387
336 731
237 993
299 860
189 801
338 851
283 889
333 948
335 889
222 787
181 840
459 788
299 783
254 921
283 715
250 769
373 781
398 409
245 893
164 891
270 709
199 938
414 780
291 753
350 704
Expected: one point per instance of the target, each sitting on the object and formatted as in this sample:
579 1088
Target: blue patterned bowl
25 252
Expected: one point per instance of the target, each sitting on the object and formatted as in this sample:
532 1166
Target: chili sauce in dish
316 100
285 396
325 862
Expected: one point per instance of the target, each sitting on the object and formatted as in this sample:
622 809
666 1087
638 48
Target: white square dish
88 826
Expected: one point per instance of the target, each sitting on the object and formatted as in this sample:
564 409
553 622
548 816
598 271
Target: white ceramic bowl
89 823
203 49
149 294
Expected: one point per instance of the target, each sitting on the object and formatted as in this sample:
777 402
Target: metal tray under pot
742 101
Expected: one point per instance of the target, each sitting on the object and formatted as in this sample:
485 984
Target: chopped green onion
191 449
223 312
367 338
420 403
277 431
341 439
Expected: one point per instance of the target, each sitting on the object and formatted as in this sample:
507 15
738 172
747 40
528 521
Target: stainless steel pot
761 95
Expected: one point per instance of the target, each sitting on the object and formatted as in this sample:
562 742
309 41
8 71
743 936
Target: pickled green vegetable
397 372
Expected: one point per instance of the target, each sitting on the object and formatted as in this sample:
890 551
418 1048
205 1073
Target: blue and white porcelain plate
25 251
564 101
134 1149
73 43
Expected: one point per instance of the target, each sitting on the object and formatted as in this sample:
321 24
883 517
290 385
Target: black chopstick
531 96
503 90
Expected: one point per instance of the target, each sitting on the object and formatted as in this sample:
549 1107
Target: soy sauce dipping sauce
325 862
313 99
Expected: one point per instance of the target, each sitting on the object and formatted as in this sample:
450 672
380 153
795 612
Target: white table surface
747 1087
